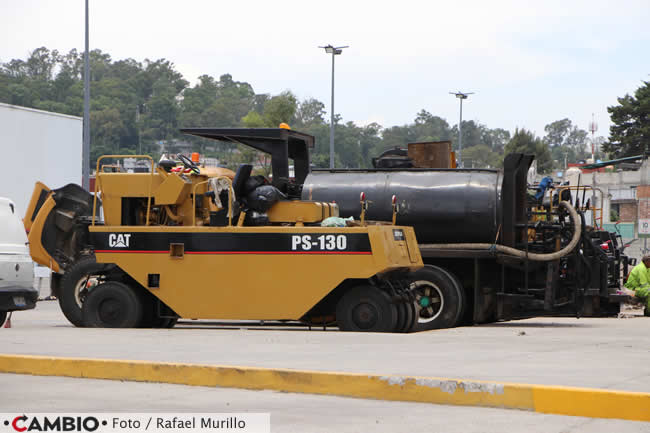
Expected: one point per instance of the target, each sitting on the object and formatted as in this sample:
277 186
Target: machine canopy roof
280 143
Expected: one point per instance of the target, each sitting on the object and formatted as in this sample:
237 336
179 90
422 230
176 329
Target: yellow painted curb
597 403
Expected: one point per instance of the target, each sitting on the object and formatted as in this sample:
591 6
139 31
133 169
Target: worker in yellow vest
638 282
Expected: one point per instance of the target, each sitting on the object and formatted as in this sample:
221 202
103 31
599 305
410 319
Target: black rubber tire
169 323
150 317
3 317
112 305
463 295
402 317
149 313
366 302
80 269
452 299
411 317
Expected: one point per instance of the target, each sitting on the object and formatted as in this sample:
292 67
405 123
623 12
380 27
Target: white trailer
37 145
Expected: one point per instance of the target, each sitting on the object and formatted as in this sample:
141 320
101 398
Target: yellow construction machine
185 241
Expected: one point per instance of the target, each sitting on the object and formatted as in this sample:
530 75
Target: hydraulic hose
546 257
172 215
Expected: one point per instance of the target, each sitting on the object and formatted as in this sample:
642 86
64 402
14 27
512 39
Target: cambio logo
61 423
116 240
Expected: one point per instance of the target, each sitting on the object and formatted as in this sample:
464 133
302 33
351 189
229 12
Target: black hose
546 257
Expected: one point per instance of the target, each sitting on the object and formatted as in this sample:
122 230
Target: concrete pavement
289 412
596 353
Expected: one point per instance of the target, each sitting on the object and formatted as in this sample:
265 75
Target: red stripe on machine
240 252
279 252
133 251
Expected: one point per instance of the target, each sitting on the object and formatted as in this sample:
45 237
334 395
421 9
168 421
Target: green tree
370 138
480 156
496 139
577 140
41 63
428 127
630 130
277 109
254 120
472 134
108 126
568 138
280 109
310 111
526 142
562 154
160 120
396 136
557 132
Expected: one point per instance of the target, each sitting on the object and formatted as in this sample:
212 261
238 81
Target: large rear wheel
112 305
439 299
366 309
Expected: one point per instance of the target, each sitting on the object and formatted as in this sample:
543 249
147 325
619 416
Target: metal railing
583 208
230 201
97 181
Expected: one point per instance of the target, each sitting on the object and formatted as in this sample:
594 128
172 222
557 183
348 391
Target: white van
17 290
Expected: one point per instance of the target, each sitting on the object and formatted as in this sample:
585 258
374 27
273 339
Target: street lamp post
85 148
334 51
460 95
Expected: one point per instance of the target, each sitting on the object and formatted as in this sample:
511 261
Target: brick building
625 199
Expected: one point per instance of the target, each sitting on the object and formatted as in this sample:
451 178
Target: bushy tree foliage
526 142
140 106
630 130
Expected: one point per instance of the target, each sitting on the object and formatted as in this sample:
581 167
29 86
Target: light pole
334 51
593 127
85 149
460 95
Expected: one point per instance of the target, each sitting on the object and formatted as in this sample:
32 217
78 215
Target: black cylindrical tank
443 206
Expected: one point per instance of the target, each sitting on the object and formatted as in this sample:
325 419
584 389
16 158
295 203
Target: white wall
37 145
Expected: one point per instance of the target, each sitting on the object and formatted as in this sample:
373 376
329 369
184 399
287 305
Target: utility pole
137 128
334 51
460 95
85 151
593 127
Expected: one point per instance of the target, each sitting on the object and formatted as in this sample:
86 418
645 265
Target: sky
529 63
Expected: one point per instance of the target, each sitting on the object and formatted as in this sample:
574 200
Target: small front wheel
366 309
112 305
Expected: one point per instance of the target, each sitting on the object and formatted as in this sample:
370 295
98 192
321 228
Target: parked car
17 290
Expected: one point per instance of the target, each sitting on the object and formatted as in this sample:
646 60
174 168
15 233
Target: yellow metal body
297 211
172 190
34 227
278 271
36 249
279 283
39 189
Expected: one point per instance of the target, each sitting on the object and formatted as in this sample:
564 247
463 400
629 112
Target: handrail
230 192
577 189
98 172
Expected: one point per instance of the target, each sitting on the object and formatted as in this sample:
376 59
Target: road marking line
596 403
